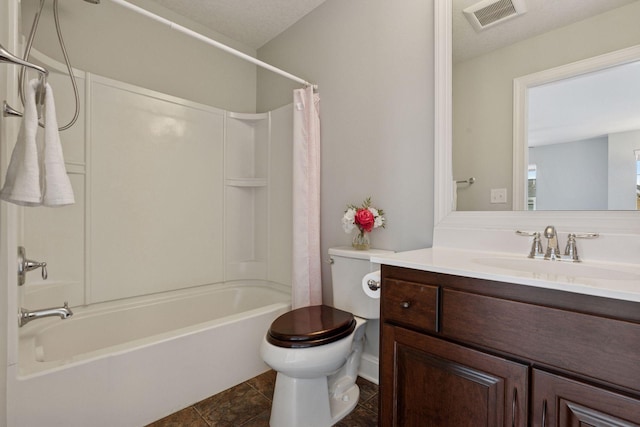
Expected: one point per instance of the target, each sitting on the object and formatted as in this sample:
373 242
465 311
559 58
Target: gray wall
622 169
373 62
571 175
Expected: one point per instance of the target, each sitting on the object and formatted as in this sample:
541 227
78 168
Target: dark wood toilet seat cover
310 327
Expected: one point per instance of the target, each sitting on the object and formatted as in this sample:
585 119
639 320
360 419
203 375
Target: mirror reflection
582 135
548 35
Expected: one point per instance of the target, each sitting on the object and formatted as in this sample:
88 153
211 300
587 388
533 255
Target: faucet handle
572 249
536 244
586 236
25 265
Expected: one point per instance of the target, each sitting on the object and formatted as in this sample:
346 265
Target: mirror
450 224
485 121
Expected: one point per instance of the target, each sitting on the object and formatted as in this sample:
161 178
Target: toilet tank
348 267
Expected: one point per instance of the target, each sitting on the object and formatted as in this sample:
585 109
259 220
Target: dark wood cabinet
458 352
438 383
561 402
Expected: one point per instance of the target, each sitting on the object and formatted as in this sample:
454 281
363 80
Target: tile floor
249 405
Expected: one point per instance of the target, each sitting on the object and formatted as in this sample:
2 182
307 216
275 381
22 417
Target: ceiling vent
488 13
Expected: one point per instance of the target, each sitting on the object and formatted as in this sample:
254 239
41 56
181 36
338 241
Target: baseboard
369 368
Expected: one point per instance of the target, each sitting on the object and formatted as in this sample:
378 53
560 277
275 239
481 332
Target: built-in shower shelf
249 117
246 182
247 142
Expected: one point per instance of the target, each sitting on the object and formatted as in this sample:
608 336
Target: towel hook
467 181
9 58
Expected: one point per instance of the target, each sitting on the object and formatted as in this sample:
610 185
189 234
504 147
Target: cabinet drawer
410 304
601 348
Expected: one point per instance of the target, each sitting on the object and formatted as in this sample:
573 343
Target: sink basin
557 268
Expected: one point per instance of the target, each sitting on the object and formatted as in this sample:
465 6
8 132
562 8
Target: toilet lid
310 326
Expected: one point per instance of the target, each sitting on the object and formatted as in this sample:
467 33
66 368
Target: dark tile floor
249 405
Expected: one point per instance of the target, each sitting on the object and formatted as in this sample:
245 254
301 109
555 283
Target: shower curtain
306 285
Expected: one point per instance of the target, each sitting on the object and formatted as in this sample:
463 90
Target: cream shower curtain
306 286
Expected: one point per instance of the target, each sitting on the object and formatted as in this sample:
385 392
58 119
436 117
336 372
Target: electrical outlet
498 195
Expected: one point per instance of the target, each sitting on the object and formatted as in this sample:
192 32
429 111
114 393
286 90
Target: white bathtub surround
306 286
149 336
129 363
98 252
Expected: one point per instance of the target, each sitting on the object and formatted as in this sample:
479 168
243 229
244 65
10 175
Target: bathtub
130 362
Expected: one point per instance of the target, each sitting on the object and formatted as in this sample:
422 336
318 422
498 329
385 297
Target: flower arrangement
365 218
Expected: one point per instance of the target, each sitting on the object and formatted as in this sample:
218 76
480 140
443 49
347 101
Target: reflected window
531 192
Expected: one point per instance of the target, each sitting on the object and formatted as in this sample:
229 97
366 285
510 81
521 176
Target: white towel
36 175
57 189
22 185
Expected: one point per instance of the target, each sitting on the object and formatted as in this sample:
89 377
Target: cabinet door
560 402
429 382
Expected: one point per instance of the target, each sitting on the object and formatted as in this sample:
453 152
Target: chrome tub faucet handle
25 265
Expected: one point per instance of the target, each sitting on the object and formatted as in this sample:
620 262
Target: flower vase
361 241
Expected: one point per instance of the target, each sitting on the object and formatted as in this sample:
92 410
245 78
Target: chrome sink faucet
27 316
553 249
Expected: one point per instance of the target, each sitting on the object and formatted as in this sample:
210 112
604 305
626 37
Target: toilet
316 351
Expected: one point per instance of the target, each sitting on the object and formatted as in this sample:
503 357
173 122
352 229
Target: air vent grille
490 12
495 12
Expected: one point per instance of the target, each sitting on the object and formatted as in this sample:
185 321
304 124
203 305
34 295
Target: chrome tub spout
27 316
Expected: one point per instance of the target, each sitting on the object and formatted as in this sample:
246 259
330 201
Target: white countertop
610 280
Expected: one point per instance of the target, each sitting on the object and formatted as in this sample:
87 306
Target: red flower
364 220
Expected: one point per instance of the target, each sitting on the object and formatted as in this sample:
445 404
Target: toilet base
342 405
302 402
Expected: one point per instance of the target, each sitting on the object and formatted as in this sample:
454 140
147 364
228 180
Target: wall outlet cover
498 195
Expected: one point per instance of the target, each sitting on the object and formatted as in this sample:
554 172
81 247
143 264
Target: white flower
348 220
378 219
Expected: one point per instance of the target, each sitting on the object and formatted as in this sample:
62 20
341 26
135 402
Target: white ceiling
250 22
542 16
586 106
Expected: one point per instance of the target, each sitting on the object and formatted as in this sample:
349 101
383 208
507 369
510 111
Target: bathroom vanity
458 350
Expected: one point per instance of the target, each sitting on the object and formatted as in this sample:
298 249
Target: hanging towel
22 185
57 189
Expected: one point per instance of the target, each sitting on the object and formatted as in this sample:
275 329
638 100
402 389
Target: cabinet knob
405 304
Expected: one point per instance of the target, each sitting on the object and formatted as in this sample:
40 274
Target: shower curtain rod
212 42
